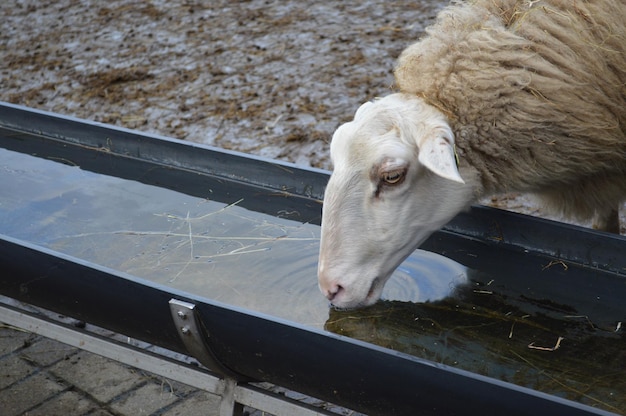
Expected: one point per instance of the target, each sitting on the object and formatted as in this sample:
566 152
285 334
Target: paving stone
199 404
37 389
45 351
13 369
144 401
102 378
66 403
13 339
100 412
175 387
37 376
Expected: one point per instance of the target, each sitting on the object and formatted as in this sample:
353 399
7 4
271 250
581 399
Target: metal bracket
189 328
228 404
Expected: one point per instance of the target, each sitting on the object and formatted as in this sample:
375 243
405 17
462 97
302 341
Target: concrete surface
39 376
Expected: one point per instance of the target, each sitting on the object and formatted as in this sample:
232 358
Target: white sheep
500 96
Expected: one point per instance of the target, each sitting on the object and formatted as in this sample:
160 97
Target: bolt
185 330
182 315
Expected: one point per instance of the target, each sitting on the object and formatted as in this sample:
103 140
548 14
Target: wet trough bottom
474 319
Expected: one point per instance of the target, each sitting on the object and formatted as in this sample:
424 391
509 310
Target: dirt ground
265 77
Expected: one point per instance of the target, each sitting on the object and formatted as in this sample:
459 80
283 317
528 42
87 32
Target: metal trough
551 266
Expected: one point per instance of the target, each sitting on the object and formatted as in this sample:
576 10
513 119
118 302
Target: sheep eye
393 177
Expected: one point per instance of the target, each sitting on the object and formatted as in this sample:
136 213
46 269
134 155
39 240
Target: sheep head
395 182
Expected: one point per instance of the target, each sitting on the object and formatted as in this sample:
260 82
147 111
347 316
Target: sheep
499 96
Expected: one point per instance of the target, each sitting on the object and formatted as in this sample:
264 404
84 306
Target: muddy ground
272 78
266 77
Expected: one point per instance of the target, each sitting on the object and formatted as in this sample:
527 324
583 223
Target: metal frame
234 394
241 345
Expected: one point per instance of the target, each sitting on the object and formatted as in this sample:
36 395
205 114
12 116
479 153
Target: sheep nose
329 287
331 291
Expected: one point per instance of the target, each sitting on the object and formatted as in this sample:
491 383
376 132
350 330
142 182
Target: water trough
212 254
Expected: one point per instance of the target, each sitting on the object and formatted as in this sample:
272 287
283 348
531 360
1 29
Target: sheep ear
438 155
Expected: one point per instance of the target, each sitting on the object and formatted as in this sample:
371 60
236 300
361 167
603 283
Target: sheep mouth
371 298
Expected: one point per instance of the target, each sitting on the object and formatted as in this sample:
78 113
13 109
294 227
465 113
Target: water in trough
433 307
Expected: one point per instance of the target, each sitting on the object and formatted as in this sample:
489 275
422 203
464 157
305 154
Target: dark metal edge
277 175
327 366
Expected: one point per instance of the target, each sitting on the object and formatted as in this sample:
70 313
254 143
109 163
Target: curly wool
535 92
